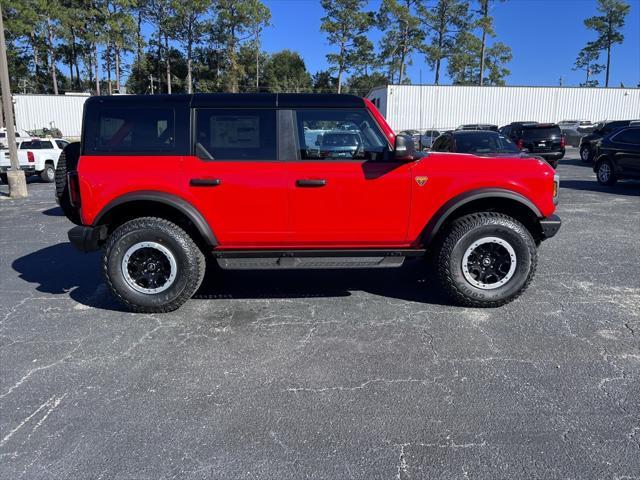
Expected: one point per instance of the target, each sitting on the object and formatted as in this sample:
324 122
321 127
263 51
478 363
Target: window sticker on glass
235 132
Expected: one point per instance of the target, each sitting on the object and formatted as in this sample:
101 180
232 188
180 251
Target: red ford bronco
277 181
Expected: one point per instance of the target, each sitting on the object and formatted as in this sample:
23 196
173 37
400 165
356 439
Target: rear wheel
585 153
605 173
486 259
48 175
152 265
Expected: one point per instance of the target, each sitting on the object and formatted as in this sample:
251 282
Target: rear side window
245 134
610 127
631 136
61 144
132 130
339 135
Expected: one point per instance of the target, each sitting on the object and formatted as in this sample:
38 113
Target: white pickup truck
36 156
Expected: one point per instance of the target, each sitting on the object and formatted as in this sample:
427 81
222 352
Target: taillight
562 142
521 144
74 189
31 157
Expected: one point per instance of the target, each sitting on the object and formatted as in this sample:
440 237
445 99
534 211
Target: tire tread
182 237
460 227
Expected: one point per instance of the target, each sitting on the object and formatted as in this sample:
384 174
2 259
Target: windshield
339 140
482 143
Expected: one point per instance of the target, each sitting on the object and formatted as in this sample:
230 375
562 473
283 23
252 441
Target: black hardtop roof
235 100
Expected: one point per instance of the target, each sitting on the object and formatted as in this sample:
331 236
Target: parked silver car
574 130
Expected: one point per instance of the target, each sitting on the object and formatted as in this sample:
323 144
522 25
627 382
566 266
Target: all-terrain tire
48 175
190 264
475 228
605 173
68 161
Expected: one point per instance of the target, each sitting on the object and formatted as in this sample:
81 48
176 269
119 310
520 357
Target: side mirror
319 140
404 149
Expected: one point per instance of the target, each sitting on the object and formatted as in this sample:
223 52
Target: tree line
174 46
608 29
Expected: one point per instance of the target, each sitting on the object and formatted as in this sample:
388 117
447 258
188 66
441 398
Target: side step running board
312 259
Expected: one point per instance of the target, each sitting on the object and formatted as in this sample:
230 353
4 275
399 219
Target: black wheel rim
149 267
489 263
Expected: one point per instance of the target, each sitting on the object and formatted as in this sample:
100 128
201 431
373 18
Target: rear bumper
25 168
550 226
551 155
87 239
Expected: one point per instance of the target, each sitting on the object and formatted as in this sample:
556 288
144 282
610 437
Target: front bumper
550 226
87 239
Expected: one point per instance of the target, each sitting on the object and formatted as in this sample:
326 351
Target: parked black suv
618 156
477 142
602 129
542 139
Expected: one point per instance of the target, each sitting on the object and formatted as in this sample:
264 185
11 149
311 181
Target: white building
64 112
443 107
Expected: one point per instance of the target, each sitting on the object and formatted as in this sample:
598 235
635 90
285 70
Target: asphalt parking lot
365 375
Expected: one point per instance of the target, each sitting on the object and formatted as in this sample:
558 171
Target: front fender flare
440 217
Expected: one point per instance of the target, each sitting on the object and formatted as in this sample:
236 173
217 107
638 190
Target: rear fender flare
180 204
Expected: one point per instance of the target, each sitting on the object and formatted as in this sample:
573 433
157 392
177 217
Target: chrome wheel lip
604 172
162 249
504 280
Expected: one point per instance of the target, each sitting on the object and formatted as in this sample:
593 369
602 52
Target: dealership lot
343 374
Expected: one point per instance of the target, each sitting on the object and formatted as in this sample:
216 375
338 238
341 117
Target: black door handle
311 183
205 182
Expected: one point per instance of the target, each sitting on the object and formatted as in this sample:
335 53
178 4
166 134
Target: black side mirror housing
404 149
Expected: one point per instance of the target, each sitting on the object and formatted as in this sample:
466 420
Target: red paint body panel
363 204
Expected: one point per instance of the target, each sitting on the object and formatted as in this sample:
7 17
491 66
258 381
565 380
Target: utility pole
15 176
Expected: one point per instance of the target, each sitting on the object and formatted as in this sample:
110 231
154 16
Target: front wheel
585 154
152 265
486 259
605 174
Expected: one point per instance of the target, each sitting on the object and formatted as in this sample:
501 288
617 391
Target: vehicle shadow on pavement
412 282
53 212
62 270
577 162
624 187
